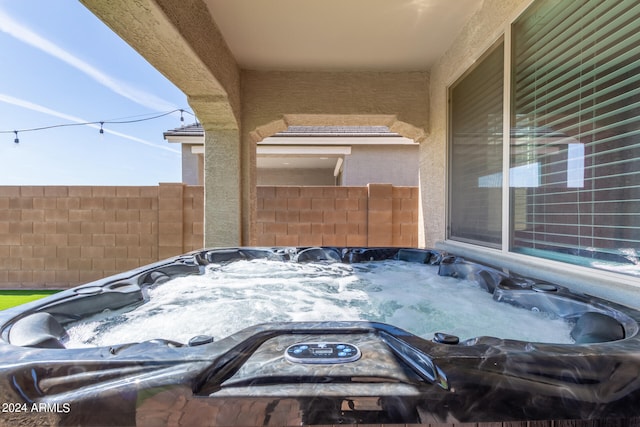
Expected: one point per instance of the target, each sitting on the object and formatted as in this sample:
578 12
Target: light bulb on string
16 140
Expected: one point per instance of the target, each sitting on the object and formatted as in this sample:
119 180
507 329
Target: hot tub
328 371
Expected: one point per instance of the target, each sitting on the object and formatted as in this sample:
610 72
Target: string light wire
100 122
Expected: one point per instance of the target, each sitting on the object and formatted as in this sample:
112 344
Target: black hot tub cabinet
254 377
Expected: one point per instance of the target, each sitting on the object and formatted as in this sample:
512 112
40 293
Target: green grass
10 299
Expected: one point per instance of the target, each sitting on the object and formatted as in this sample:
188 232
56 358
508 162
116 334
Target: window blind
575 143
476 111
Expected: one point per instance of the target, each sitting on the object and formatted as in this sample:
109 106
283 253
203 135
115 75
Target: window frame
449 157
538 266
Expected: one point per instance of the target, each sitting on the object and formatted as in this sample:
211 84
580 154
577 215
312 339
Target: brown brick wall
57 237
404 205
377 215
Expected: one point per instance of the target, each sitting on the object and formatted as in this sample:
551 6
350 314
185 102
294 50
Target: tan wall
299 176
377 215
57 237
397 164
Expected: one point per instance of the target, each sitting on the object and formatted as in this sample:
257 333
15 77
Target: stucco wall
190 166
483 30
274 100
392 164
268 176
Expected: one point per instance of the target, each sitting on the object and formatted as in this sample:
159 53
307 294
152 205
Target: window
475 190
575 136
574 141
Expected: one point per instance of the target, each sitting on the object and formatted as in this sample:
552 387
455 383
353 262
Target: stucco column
222 188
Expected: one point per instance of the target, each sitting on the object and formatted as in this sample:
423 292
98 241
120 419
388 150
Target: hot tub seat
40 330
593 327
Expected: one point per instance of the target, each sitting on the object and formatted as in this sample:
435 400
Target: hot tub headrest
318 255
594 327
37 330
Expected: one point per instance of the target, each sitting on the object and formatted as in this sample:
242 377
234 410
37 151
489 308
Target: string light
101 123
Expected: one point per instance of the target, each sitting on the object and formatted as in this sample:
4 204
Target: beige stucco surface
222 198
378 164
273 100
181 40
296 177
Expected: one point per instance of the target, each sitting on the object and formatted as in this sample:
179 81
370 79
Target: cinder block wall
404 206
376 215
58 237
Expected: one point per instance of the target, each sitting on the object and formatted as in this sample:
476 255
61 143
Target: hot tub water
230 297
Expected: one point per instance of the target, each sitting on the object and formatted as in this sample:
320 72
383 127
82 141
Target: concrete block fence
376 215
60 236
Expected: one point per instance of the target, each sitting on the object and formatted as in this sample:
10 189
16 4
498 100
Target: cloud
42 109
28 36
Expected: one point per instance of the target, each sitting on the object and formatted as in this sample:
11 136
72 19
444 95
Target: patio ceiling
203 46
389 35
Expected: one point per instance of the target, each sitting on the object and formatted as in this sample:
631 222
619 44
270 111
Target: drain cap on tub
322 352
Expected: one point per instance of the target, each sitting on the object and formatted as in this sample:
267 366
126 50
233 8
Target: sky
62 66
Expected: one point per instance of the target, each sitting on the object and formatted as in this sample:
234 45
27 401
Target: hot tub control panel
322 352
